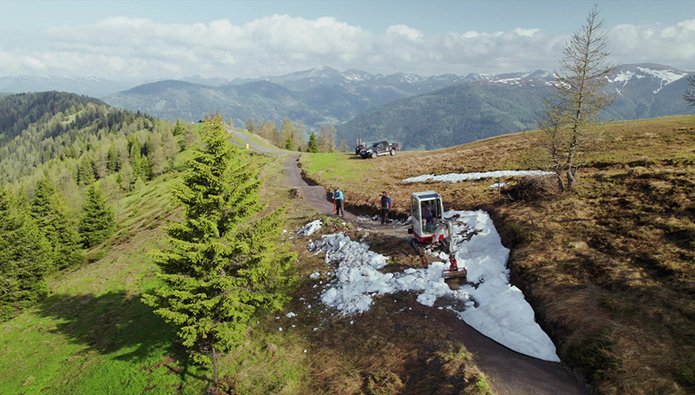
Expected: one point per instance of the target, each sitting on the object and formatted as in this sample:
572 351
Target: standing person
339 198
385 206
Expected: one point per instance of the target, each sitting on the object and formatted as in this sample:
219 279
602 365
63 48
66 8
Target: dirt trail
509 372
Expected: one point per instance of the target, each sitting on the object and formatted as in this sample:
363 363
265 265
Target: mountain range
484 106
417 111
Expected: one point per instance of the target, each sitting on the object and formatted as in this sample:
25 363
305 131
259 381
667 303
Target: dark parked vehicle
359 148
380 148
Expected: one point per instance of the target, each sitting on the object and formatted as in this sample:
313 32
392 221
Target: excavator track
419 250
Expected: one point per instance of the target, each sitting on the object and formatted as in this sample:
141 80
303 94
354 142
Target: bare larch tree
579 96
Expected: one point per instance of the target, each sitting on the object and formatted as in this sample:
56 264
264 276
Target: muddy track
509 372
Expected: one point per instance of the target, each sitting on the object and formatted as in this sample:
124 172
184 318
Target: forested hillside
459 114
79 138
21 110
77 231
63 158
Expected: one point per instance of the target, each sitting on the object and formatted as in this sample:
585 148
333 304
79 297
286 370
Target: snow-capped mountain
646 90
651 75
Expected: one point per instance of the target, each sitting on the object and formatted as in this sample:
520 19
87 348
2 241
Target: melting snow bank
456 177
309 229
494 308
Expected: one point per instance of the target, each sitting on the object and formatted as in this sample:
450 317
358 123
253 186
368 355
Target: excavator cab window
429 215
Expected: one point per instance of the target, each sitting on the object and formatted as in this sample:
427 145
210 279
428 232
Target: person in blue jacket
339 199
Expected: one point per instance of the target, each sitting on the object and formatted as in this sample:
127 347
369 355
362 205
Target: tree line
39 237
292 136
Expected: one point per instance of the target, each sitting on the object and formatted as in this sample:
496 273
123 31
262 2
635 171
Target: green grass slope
93 335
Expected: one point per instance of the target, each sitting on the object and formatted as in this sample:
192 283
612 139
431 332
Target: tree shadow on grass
115 322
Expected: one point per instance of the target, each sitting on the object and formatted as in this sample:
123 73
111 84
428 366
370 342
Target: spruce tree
51 215
170 147
313 147
178 129
97 222
125 178
223 269
85 171
24 257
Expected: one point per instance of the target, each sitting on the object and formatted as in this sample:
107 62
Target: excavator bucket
447 274
454 271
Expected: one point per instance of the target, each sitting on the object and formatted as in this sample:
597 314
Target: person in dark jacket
385 206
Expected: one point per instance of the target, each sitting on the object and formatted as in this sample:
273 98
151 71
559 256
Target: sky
149 40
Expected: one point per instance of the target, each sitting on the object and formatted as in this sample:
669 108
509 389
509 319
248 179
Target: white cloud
672 45
526 32
123 47
404 31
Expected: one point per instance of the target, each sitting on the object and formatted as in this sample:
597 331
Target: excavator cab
426 210
430 228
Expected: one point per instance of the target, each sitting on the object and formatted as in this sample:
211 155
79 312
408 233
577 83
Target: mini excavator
430 229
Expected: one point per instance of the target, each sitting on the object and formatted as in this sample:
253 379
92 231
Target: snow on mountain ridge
666 76
624 76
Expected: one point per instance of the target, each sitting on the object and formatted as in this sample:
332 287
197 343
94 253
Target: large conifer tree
51 215
223 269
97 222
24 257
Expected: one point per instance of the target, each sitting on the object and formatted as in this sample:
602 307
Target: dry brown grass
608 268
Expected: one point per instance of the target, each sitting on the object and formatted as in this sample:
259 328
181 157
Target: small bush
530 189
594 354
384 383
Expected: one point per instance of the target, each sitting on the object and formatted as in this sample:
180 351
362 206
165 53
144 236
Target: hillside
608 269
38 128
17 112
459 114
618 250
93 333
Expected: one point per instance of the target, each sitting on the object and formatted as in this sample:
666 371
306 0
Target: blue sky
228 39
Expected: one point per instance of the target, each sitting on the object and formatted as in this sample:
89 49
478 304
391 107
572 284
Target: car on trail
380 148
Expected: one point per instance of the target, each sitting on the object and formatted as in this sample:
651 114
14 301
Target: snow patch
310 228
492 306
668 76
456 177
